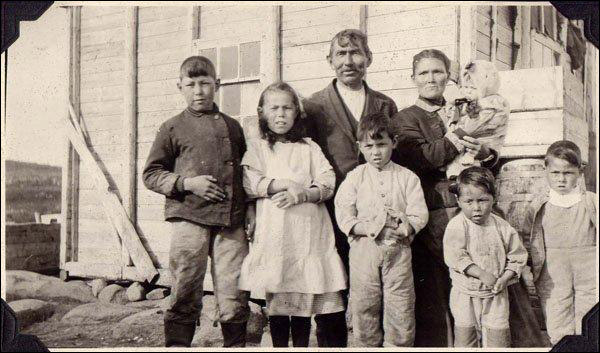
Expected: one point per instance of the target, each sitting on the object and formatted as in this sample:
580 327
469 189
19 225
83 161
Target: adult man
333 116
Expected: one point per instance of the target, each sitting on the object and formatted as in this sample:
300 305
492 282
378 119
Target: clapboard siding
230 22
504 32
164 41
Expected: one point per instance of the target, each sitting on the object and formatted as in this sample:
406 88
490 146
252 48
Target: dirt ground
56 334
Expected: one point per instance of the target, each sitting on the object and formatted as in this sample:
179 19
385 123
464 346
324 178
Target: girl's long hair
298 130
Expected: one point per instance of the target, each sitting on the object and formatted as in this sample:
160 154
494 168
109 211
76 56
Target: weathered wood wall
396 33
503 34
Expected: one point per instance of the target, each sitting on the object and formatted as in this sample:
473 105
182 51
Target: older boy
380 206
195 163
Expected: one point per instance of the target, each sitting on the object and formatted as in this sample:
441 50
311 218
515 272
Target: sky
37 90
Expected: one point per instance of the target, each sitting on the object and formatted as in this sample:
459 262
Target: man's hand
250 222
204 186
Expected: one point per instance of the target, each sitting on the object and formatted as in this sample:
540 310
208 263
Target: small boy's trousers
480 319
191 244
382 296
567 289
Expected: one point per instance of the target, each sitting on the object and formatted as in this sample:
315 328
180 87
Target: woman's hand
298 193
475 147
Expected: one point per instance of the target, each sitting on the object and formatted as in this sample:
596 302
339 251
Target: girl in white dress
292 262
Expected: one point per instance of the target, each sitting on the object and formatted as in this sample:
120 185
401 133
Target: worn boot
497 338
465 337
178 334
234 334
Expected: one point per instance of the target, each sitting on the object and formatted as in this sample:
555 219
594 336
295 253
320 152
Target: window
238 67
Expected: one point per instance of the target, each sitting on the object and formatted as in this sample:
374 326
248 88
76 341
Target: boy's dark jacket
333 128
192 144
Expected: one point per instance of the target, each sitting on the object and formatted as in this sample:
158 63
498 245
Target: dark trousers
331 328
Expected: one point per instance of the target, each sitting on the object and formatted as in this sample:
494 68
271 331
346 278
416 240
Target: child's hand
283 199
388 233
405 230
298 193
204 186
500 285
488 279
250 222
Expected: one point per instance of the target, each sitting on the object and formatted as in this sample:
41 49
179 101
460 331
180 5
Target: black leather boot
234 334
179 335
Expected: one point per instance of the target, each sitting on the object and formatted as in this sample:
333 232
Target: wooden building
124 68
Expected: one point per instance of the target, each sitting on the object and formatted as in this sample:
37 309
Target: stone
30 311
137 324
113 293
146 304
31 285
158 293
98 312
135 292
98 285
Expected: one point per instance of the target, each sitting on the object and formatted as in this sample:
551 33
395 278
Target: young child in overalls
482 114
485 255
562 242
195 162
380 206
292 263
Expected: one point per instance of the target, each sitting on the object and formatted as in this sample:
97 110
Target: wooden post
494 35
517 45
196 22
362 18
111 205
70 170
270 49
525 37
467 47
129 169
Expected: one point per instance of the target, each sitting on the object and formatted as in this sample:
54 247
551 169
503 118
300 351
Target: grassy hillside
30 188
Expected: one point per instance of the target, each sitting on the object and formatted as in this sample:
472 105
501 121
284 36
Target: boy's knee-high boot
178 334
234 334
497 338
465 337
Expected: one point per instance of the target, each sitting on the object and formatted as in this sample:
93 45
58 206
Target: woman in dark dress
426 147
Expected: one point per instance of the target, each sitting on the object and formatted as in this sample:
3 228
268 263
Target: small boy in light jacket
484 254
562 242
380 206
195 162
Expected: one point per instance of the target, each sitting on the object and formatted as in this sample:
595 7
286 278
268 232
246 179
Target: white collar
565 201
343 89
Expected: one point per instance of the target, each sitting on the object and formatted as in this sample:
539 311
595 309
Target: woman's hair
565 150
475 176
432 54
373 125
298 130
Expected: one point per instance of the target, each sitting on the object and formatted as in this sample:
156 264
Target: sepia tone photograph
299 174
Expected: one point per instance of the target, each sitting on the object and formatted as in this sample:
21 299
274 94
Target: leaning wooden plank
112 206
